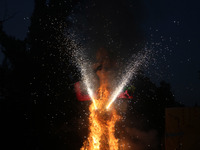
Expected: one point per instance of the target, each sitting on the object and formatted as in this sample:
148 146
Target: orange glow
102 124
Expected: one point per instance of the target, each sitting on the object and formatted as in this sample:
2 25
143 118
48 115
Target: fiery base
102 125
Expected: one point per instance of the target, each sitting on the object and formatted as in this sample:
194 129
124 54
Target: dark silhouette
147 110
37 97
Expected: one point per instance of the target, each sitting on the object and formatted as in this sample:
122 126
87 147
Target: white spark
130 71
86 72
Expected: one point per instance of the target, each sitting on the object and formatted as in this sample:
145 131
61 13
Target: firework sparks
101 121
130 72
84 65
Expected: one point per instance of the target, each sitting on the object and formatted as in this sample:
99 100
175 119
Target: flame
102 123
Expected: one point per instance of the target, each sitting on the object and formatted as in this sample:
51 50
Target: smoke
113 24
134 132
141 140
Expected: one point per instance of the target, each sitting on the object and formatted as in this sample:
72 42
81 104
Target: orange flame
102 124
101 120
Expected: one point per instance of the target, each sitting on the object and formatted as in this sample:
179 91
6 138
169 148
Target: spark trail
130 71
84 65
101 121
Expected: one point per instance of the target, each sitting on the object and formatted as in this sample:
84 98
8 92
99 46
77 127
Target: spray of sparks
102 122
84 65
130 71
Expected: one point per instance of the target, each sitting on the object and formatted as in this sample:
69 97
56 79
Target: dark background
177 22
39 109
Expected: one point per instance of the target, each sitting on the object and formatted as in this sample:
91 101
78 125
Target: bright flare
91 96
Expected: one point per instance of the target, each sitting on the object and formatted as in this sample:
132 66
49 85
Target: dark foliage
37 97
147 111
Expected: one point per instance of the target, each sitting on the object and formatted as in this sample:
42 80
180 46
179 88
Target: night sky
174 24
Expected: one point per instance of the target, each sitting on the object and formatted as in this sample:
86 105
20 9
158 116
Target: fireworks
129 73
103 117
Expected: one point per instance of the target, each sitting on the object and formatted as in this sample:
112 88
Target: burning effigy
102 120
103 114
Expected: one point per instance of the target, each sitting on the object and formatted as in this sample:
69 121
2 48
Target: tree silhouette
36 87
147 109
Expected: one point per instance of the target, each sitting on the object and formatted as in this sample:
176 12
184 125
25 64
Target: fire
103 115
102 123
